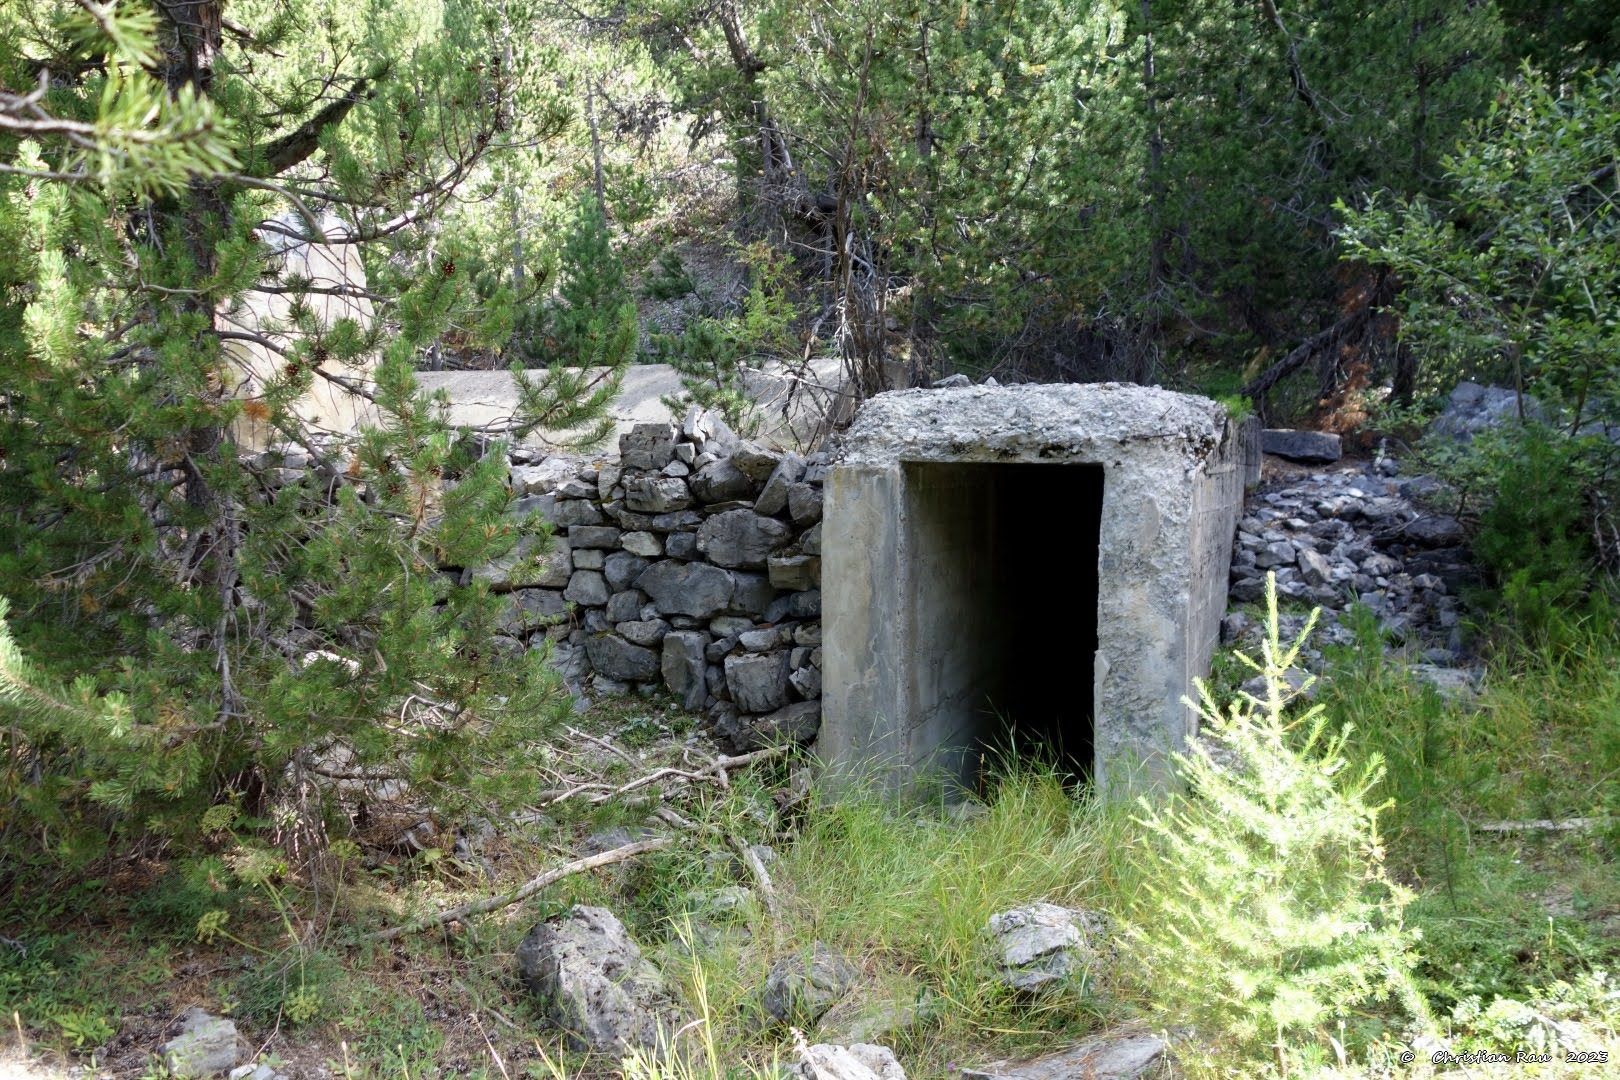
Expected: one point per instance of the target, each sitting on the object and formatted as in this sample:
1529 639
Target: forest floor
98 970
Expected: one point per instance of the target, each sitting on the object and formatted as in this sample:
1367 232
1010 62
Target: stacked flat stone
693 564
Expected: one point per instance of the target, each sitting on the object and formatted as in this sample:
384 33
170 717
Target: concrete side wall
951 514
1217 504
865 631
1249 450
1144 593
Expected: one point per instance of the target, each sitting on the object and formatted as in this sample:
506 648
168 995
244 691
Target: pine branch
295 146
25 687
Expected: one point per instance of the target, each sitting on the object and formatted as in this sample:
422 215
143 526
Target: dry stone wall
691 564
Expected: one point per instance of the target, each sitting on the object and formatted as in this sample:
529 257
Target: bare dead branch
1576 824
524 891
756 866
293 147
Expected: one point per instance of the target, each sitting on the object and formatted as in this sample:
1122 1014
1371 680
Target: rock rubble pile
1354 535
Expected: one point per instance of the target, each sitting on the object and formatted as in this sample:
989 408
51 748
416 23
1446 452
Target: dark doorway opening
1004 612
1050 517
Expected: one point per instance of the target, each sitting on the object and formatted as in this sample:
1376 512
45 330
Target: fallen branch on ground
524 891
596 792
756 865
1574 824
1346 328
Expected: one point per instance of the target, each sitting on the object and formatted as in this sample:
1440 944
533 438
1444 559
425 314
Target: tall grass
905 892
1538 739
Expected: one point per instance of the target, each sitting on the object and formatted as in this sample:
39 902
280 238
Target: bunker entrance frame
912 560
1005 639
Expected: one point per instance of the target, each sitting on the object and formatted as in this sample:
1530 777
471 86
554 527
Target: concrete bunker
1040 567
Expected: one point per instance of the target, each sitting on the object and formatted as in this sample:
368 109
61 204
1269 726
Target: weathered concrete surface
479 398
900 645
324 406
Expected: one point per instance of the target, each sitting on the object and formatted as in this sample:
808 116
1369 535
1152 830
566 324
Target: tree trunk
1142 363
596 147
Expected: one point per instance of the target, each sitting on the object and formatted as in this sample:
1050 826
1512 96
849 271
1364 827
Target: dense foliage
251 631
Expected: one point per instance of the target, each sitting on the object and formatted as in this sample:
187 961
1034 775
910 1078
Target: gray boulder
625 606
693 588
647 446
773 498
593 983
1433 531
1247 589
708 430
681 545
1278 553
593 536
656 494
1311 447
729 626
641 543
586 588
722 481
1449 682
1314 569
796 723
795 572
647 632
806 682
528 608
1473 408
742 538
1038 946
575 488
607 478
800 989
526 564
1110 1057
755 463
754 594
621 569
758 683
676 520
860 1061
616 658
682 666
804 504
542 478
205 1046
570 512
252 1071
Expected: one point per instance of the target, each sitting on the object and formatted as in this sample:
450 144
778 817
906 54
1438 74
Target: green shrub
1268 911
670 281
1536 529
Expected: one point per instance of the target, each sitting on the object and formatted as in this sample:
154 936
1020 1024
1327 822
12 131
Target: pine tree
583 338
705 357
228 627
1268 910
